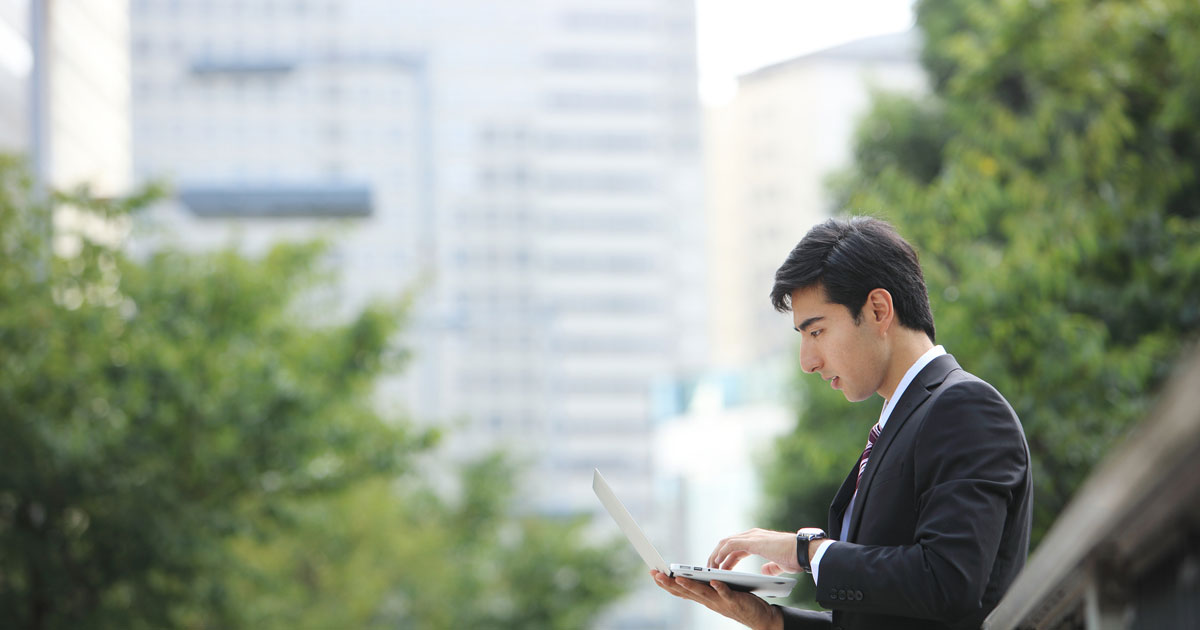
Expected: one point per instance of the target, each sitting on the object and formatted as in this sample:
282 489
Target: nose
809 360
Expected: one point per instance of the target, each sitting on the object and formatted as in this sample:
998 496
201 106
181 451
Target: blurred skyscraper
64 90
769 153
538 160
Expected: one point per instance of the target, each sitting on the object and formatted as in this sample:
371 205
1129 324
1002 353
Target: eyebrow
808 322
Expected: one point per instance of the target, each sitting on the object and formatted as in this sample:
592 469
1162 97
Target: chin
856 397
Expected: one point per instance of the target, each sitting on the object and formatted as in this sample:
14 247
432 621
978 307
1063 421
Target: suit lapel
917 392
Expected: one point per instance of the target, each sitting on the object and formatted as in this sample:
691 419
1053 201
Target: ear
879 309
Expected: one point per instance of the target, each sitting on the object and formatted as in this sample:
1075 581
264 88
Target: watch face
811 532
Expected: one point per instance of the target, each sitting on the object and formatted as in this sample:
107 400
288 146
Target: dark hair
851 258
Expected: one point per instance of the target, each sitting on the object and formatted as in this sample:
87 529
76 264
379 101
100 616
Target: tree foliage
1050 184
186 444
436 563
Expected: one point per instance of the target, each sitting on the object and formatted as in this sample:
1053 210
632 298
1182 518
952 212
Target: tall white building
64 91
769 154
533 166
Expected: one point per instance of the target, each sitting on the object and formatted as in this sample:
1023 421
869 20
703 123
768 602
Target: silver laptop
762 585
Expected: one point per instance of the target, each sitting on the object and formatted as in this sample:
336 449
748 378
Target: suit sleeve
797 619
969 458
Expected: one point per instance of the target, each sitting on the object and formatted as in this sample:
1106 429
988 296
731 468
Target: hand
778 548
744 608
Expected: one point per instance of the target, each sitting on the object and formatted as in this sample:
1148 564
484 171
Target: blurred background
320 313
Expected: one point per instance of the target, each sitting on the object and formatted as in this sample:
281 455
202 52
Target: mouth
834 382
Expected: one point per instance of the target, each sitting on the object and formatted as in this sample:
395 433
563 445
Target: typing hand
778 548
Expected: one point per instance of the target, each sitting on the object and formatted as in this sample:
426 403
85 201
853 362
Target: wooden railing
1125 553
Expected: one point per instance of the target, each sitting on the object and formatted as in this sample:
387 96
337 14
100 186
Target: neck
908 346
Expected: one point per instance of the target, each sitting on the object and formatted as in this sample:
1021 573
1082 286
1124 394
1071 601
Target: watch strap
803 538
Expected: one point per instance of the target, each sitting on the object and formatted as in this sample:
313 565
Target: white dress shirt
888 405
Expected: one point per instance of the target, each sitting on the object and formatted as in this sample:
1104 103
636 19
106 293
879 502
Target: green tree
469 562
172 421
1050 185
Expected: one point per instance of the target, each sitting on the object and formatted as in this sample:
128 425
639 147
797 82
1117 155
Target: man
931 525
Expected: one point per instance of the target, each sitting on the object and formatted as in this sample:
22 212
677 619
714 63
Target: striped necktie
866 454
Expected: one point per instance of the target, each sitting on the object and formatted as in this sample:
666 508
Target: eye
816 332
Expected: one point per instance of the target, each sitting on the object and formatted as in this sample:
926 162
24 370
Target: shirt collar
912 372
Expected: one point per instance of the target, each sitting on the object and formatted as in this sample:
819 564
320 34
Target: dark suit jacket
941 524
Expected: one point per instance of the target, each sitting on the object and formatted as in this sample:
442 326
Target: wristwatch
803 537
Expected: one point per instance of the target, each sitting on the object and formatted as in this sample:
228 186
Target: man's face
849 357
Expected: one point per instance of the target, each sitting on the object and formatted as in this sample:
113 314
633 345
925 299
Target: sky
738 36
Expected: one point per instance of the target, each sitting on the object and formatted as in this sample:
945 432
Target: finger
700 591
732 559
716 559
728 546
724 546
658 577
664 580
716 554
669 585
772 568
736 605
